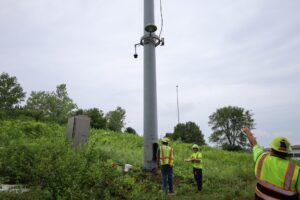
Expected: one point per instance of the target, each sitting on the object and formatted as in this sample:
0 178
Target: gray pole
177 104
150 104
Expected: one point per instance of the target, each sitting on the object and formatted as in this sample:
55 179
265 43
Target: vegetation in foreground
37 155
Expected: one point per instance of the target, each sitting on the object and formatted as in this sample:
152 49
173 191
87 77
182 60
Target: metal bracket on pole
151 38
147 39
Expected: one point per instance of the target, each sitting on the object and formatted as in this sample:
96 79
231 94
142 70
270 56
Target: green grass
226 175
37 155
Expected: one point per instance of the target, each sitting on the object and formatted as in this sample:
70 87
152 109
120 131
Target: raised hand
250 136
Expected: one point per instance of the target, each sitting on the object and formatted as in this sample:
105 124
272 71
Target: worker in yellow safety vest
165 162
277 178
196 160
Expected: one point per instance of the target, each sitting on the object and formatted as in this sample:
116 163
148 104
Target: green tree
227 124
116 119
79 111
188 132
55 106
61 104
39 101
98 119
169 135
11 92
130 130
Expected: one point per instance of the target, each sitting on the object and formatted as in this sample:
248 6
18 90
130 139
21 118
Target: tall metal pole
150 102
177 104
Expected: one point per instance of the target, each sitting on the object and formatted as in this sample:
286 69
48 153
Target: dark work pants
167 177
198 177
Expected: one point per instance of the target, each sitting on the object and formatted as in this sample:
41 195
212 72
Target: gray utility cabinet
78 129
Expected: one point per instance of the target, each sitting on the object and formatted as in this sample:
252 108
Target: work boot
172 193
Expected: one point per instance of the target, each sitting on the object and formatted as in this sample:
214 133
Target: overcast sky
220 53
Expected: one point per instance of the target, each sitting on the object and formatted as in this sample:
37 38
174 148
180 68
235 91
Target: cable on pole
161 18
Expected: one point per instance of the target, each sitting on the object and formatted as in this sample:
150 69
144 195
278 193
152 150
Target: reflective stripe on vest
264 196
163 158
260 164
287 181
289 176
275 188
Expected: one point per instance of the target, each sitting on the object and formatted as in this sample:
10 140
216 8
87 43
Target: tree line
56 106
53 106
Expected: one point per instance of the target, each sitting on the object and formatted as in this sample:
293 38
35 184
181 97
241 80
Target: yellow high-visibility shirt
198 156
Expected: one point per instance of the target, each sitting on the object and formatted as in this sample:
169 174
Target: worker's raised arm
250 136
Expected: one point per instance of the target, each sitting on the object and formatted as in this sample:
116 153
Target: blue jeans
198 177
167 176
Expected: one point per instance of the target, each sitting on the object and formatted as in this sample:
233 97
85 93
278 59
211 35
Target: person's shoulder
257 146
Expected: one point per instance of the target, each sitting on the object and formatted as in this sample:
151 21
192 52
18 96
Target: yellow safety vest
276 178
197 156
166 155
